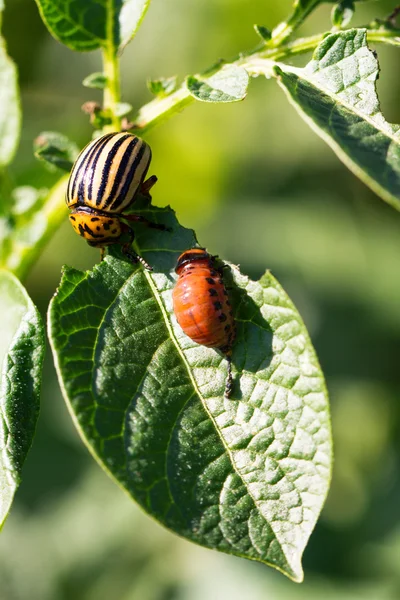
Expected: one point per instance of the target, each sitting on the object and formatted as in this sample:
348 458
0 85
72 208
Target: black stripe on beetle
129 178
119 177
94 166
79 177
105 175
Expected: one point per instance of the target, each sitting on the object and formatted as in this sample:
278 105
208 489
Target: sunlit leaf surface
248 475
336 95
21 358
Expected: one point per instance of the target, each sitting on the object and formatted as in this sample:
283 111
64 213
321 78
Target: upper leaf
10 110
342 13
56 149
263 32
248 475
21 358
164 86
96 80
90 24
229 84
336 95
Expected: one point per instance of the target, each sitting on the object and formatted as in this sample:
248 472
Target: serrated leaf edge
296 575
344 157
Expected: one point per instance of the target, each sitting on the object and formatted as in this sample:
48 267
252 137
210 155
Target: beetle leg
129 252
229 378
140 219
102 250
147 185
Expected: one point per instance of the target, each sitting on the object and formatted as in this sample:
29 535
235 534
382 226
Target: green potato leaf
163 87
21 357
228 85
10 111
336 95
97 81
56 150
342 13
247 476
85 25
263 32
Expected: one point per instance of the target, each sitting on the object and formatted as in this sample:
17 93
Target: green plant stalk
161 109
285 29
112 91
22 256
384 37
256 62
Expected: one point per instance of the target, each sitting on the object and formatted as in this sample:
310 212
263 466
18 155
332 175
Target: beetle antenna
135 258
144 263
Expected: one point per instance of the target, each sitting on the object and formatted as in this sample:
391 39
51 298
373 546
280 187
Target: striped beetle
104 182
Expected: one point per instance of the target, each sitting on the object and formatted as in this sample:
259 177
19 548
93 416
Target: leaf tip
263 32
277 71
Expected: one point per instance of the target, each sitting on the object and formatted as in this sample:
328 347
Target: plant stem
112 91
284 30
159 110
25 248
259 61
391 37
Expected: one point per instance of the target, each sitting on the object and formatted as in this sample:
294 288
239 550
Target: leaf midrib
164 313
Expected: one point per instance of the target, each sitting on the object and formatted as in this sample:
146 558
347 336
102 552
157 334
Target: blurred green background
261 190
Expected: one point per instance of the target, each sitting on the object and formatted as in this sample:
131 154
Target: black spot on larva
217 305
228 303
81 230
98 228
227 327
93 219
210 280
231 313
213 292
225 292
110 222
222 318
213 272
107 226
114 230
72 218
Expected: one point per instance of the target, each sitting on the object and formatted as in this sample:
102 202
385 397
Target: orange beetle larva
201 304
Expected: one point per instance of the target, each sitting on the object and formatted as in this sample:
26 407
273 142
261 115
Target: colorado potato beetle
105 179
201 304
